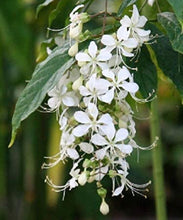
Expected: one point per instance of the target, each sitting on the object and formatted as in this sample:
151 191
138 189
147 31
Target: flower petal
80 130
123 33
85 69
100 154
130 87
104 56
130 43
82 117
84 91
108 40
83 57
135 15
125 21
92 49
69 100
98 140
105 119
118 191
142 21
108 130
142 32
108 97
53 103
101 173
126 149
72 153
108 74
121 135
92 110
123 74
86 147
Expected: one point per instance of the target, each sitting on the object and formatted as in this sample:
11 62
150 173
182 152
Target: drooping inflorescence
95 118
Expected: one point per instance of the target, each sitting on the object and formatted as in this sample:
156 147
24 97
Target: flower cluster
96 119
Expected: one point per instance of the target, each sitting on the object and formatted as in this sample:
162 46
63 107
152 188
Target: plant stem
160 199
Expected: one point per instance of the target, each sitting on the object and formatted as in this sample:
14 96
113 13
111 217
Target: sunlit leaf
45 76
178 9
170 23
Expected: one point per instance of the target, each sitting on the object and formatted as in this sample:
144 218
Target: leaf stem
158 176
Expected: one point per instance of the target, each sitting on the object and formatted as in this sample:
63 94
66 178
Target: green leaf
62 11
45 77
123 5
170 23
44 4
43 49
177 6
170 62
146 75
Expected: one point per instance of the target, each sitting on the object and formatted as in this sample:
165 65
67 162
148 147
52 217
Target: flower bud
77 83
122 124
84 36
82 178
73 50
86 163
81 63
75 31
104 208
112 173
102 192
84 17
91 177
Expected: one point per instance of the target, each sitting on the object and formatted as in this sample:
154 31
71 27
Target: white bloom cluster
97 123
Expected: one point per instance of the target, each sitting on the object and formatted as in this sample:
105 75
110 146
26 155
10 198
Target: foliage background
23 193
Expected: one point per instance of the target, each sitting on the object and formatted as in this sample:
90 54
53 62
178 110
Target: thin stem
104 21
143 5
158 176
158 7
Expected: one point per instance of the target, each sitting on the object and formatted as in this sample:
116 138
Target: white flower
93 59
59 95
120 83
94 89
72 183
66 145
113 142
123 44
135 26
89 120
135 188
76 25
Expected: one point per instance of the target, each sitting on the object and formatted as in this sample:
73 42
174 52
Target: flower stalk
158 176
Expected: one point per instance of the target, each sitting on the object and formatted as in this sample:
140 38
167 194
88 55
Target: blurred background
23 193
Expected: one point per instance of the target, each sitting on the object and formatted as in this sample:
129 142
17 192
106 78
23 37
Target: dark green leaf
44 4
62 11
170 62
146 76
45 76
123 5
170 23
177 6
